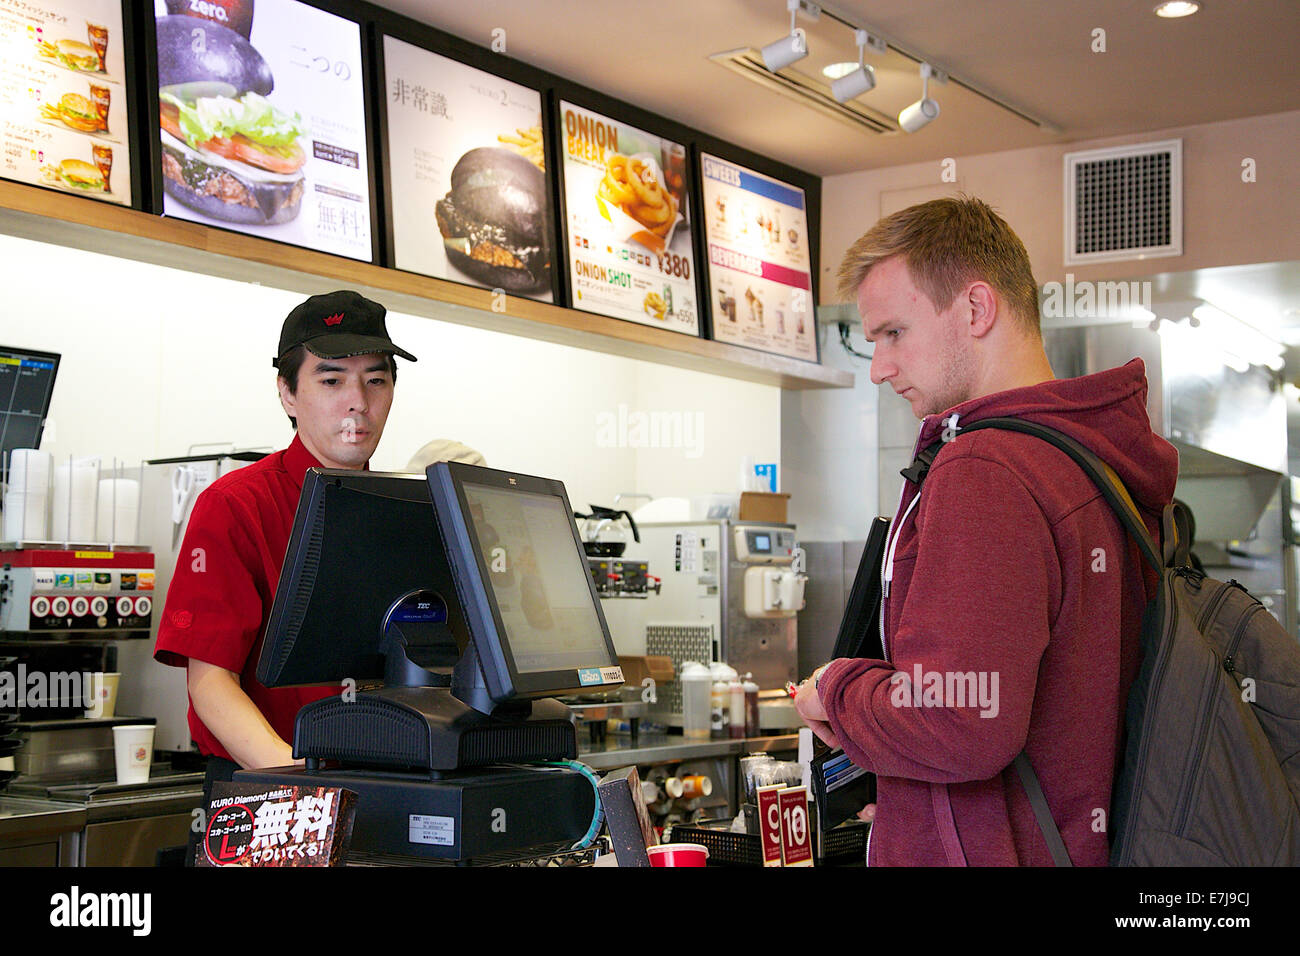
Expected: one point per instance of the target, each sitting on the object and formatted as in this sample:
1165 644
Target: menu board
63 98
760 277
469 198
263 121
627 227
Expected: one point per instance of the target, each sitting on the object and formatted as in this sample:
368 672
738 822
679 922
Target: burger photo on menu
74 174
494 220
228 152
72 54
74 111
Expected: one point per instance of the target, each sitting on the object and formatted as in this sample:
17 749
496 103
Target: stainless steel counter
33 817
667 748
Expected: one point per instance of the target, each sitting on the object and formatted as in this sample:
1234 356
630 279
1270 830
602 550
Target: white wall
156 360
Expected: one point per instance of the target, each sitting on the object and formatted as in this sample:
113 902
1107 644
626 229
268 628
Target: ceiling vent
1124 203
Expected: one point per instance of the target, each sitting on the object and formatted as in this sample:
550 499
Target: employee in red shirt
335 376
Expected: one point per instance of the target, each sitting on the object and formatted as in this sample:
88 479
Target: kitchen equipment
150 687
603 534
700 612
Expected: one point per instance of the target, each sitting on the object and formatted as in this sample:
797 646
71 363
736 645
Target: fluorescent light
1172 9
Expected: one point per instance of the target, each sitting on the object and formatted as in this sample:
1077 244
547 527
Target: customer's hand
867 813
809 706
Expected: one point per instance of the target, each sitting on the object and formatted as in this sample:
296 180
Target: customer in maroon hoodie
1013 598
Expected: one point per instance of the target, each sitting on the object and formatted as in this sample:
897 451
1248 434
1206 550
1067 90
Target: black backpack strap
1101 474
1041 812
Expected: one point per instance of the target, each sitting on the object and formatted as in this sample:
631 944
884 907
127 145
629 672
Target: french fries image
633 185
528 144
655 305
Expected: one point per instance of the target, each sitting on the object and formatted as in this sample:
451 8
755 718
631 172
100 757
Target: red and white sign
769 823
796 835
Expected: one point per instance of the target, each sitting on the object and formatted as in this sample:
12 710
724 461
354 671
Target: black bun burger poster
467 169
262 121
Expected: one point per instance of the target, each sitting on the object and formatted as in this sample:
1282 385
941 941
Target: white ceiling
1234 58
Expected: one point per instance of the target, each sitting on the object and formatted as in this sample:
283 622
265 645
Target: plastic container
751 707
696 687
737 710
678 854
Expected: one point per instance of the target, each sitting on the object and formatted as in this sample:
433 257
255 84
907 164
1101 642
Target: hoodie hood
1105 412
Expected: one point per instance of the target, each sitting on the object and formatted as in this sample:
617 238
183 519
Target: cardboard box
637 668
764 506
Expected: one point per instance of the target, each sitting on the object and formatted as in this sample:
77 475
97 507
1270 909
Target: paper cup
103 688
24 516
678 854
133 748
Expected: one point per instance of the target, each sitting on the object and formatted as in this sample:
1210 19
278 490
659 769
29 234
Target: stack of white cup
119 509
72 512
27 498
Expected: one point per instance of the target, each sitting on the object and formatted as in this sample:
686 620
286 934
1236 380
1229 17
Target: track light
788 49
923 110
861 80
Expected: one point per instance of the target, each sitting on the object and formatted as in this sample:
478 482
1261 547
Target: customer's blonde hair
947 243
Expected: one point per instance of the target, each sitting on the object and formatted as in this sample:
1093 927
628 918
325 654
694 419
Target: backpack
1211 768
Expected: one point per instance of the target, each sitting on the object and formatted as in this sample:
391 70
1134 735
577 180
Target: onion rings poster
470 199
263 121
63 106
627 228
760 277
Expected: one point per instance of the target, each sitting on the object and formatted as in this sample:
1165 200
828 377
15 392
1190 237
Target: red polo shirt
221 593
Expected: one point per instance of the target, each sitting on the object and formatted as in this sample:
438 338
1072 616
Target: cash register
451 609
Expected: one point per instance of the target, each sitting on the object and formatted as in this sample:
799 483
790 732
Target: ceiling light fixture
923 110
789 49
1172 9
862 79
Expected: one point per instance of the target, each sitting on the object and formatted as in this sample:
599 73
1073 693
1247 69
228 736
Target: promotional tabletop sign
468 193
769 822
760 276
256 824
796 835
263 121
627 222
63 99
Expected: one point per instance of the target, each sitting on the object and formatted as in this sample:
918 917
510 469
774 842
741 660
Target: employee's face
341 407
921 353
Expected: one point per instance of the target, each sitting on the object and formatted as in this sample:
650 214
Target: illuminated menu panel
760 279
469 196
63 101
627 222
263 121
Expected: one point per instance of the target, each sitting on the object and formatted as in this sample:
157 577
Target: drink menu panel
263 121
627 222
63 102
760 278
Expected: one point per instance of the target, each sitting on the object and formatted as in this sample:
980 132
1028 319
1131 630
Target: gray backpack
1211 771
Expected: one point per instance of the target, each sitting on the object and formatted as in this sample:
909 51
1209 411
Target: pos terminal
452 608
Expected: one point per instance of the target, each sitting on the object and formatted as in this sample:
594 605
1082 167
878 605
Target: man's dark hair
290 365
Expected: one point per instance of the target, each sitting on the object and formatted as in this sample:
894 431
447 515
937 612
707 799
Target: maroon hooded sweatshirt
1011 621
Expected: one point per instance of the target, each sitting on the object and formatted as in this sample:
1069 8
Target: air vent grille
1123 203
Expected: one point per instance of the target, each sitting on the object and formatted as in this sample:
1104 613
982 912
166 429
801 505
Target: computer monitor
365 583
26 384
524 588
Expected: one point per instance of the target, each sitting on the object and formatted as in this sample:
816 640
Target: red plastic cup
678 854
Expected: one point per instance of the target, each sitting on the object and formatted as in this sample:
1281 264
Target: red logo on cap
334 319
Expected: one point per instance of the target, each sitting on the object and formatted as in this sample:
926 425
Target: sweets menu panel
63 101
760 277
627 222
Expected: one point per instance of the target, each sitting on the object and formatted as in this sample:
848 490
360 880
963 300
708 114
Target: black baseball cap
337 325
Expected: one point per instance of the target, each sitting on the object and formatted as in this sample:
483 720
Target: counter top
34 817
662 748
